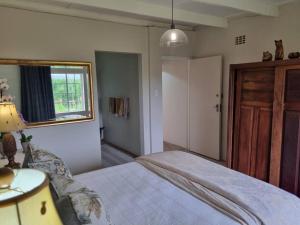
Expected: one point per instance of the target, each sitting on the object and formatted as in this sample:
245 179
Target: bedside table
28 200
19 157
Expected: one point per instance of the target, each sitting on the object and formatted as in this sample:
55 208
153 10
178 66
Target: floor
112 156
172 147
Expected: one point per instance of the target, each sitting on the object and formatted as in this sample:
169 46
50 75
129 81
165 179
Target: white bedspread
132 195
247 200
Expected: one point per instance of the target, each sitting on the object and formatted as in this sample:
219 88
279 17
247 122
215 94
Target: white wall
175 101
261 33
34 35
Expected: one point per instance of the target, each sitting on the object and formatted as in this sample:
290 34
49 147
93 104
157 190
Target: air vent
240 40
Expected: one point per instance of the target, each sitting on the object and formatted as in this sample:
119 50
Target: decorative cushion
64 185
51 167
66 211
86 203
40 156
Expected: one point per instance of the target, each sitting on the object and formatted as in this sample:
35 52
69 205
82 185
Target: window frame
83 73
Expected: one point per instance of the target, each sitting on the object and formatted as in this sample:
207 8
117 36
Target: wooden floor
112 156
172 147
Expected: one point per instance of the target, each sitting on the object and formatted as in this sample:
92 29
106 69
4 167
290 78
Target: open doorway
175 103
119 106
192 105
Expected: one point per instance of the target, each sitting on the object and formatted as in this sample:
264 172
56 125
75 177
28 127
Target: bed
177 188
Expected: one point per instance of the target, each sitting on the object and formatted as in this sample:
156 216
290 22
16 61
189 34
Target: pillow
39 156
42 155
65 185
51 167
66 212
86 203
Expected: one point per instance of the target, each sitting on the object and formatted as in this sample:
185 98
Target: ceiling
189 13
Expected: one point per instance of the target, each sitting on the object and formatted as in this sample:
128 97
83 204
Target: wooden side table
19 157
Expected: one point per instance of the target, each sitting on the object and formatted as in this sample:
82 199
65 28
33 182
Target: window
68 89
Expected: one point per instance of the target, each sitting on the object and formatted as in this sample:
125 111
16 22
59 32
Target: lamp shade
9 118
28 201
173 38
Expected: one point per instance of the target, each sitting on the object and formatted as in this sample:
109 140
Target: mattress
133 195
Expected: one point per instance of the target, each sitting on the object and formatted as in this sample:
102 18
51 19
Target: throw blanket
247 200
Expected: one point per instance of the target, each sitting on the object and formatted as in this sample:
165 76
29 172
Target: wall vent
240 40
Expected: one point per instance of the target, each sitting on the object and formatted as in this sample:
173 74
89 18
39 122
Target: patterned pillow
42 156
64 186
86 203
66 211
87 206
51 167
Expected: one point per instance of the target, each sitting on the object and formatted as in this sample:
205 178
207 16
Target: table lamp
28 200
10 121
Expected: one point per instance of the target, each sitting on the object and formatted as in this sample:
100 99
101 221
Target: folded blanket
247 200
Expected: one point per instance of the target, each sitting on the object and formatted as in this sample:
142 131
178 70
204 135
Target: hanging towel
112 105
119 106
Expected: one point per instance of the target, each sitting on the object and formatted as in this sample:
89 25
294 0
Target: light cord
172 24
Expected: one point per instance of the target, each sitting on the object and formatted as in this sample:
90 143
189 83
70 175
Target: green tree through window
68 92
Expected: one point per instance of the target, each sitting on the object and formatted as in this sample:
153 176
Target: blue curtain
37 94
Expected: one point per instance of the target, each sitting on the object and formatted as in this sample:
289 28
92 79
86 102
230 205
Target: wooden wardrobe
264 122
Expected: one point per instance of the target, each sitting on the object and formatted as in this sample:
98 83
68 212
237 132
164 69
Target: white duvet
245 199
132 195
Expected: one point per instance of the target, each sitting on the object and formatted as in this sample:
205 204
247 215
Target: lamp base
10 149
6 177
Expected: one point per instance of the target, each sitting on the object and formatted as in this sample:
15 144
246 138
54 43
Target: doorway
119 105
192 105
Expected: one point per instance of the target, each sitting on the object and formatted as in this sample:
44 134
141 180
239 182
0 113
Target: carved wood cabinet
264 122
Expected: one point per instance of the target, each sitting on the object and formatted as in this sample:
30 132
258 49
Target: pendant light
173 37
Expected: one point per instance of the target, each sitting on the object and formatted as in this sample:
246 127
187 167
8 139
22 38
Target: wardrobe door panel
292 86
254 142
290 154
263 145
244 143
290 158
253 122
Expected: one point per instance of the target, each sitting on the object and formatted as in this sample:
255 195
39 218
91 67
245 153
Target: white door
205 79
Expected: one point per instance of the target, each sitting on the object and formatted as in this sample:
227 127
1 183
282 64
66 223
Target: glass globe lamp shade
173 38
